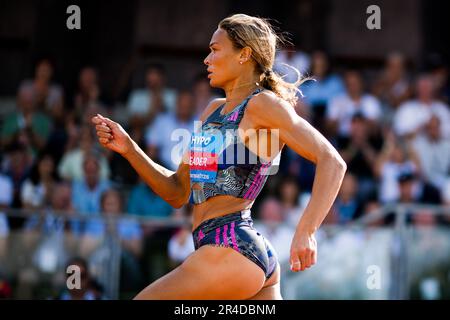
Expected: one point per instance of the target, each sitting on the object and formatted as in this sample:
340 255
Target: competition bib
203 159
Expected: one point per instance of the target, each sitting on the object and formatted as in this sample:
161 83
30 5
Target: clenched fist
111 135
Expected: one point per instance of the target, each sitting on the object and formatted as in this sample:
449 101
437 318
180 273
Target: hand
111 135
303 251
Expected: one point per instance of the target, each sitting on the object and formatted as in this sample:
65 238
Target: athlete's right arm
173 187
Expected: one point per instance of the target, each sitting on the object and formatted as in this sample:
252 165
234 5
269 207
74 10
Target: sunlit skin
235 276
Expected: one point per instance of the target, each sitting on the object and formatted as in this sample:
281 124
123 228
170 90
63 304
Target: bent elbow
176 205
341 164
335 160
179 201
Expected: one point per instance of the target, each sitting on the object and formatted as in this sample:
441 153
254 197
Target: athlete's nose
206 60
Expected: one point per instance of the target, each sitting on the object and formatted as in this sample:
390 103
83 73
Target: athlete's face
223 60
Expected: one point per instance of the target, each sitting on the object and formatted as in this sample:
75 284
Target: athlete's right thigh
209 273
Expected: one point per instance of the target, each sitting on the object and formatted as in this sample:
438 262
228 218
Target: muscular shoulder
266 108
211 107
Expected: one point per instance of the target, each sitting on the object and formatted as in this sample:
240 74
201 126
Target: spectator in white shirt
341 109
434 154
394 159
413 115
144 104
36 190
163 142
71 164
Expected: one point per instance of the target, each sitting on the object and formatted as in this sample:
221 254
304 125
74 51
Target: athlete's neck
240 88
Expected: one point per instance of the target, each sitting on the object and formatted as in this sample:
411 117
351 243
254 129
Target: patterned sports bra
220 162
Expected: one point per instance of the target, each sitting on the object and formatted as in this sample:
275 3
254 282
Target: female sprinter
232 260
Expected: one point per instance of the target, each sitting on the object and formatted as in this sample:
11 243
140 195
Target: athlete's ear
245 55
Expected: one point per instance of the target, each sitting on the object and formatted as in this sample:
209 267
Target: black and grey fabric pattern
242 179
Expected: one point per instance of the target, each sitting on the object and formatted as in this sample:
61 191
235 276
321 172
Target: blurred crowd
391 126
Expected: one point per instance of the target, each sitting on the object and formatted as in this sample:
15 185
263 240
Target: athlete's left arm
268 111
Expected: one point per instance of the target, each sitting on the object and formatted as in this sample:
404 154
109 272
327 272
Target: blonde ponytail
288 91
